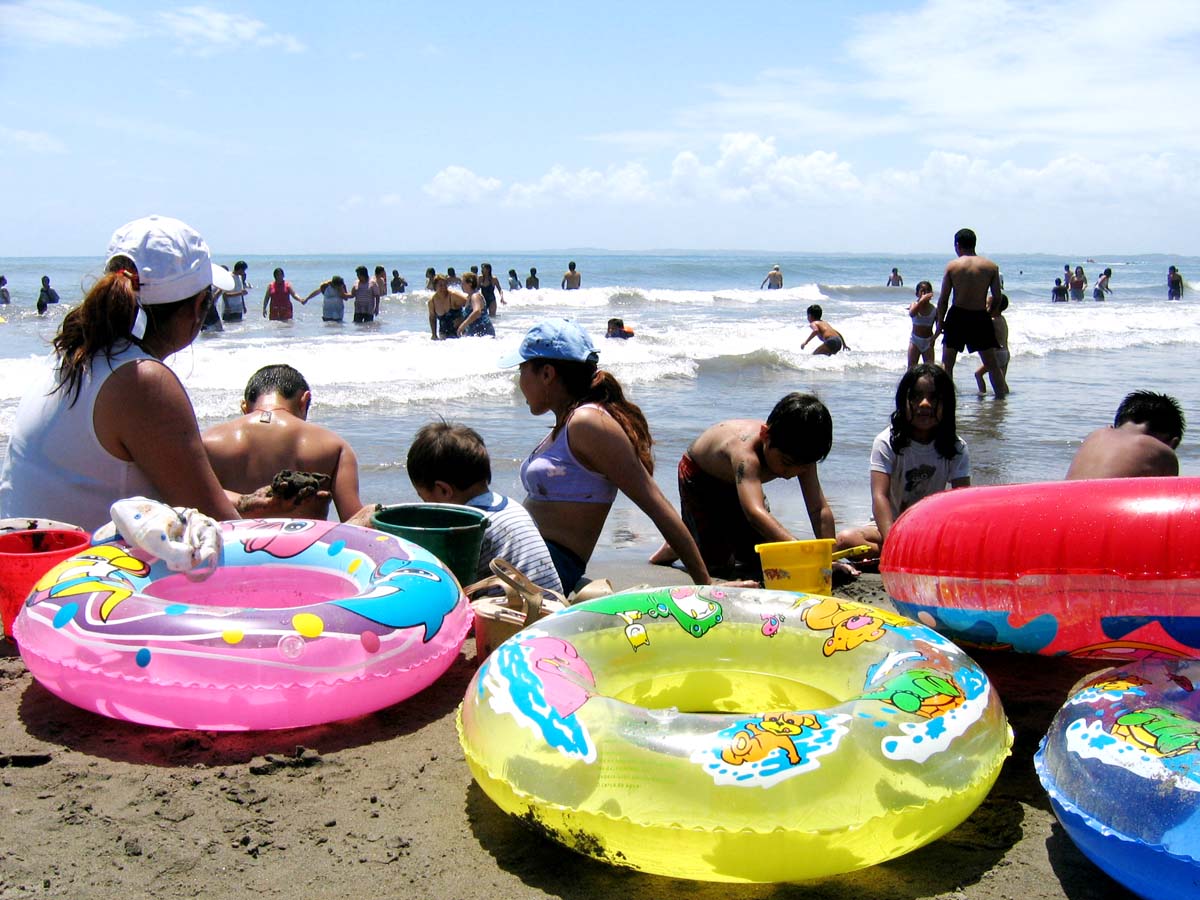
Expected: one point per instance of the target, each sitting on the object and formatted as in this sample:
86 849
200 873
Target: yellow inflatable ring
732 734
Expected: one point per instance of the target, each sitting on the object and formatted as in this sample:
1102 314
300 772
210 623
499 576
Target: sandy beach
384 806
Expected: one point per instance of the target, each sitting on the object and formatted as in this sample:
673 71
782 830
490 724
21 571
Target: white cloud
1070 184
750 167
1014 76
625 184
454 185
1102 73
63 22
208 31
203 30
794 102
748 170
37 142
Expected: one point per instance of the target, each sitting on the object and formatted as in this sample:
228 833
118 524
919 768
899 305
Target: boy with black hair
1002 355
721 478
831 339
1141 441
273 434
450 464
618 329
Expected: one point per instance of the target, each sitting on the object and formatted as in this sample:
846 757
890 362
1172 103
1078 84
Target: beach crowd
78 445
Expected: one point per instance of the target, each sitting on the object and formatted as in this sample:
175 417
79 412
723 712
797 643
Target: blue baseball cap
553 339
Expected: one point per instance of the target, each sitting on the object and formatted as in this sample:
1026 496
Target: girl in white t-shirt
917 455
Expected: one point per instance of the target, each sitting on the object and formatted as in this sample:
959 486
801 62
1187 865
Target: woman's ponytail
102 321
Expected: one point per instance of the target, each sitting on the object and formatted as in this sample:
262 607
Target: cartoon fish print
390 603
283 538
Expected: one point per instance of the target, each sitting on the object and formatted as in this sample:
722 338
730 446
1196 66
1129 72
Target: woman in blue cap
600 444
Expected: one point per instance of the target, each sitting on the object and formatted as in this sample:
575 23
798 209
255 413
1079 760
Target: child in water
1001 326
831 339
917 455
618 329
923 313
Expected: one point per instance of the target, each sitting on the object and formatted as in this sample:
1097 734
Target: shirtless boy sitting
721 479
1141 442
831 339
273 434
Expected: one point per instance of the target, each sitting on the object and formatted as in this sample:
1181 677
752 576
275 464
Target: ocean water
710 345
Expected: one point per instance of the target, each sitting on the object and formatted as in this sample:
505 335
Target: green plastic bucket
450 532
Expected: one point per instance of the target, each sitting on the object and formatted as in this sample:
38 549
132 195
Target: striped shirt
512 536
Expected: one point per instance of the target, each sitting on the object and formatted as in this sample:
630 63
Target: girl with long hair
600 444
917 455
923 313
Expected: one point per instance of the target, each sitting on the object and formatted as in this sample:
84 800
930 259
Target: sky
1058 127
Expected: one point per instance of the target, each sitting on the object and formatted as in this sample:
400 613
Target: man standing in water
773 281
974 282
1174 284
47 296
571 278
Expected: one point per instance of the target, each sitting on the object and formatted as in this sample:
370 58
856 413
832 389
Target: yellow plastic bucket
805 566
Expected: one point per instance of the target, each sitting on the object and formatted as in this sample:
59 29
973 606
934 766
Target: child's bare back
730 450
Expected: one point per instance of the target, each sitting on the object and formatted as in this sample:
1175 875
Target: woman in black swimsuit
488 285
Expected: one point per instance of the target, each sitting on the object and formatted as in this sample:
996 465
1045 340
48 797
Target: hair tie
131 276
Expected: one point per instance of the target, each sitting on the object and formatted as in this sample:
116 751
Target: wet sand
384 806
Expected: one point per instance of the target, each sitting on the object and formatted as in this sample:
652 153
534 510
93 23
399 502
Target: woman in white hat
108 419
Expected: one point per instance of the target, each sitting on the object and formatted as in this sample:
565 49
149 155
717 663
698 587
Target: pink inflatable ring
304 622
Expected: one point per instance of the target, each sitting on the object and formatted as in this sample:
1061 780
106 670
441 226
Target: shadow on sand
55 721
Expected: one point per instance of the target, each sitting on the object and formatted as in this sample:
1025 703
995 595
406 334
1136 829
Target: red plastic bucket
25 556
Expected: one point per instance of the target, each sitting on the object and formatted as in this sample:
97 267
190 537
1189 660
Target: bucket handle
860 550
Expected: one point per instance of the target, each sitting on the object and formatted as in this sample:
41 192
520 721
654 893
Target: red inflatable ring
1105 568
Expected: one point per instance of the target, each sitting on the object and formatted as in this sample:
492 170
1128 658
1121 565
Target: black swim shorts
972 328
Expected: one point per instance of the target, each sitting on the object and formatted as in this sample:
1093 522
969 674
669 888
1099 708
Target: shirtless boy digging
831 339
721 479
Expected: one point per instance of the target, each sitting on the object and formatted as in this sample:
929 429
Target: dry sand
384 806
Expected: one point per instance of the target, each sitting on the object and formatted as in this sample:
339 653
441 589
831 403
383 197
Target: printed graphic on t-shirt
916 477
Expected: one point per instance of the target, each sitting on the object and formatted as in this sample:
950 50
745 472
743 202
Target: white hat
173 261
